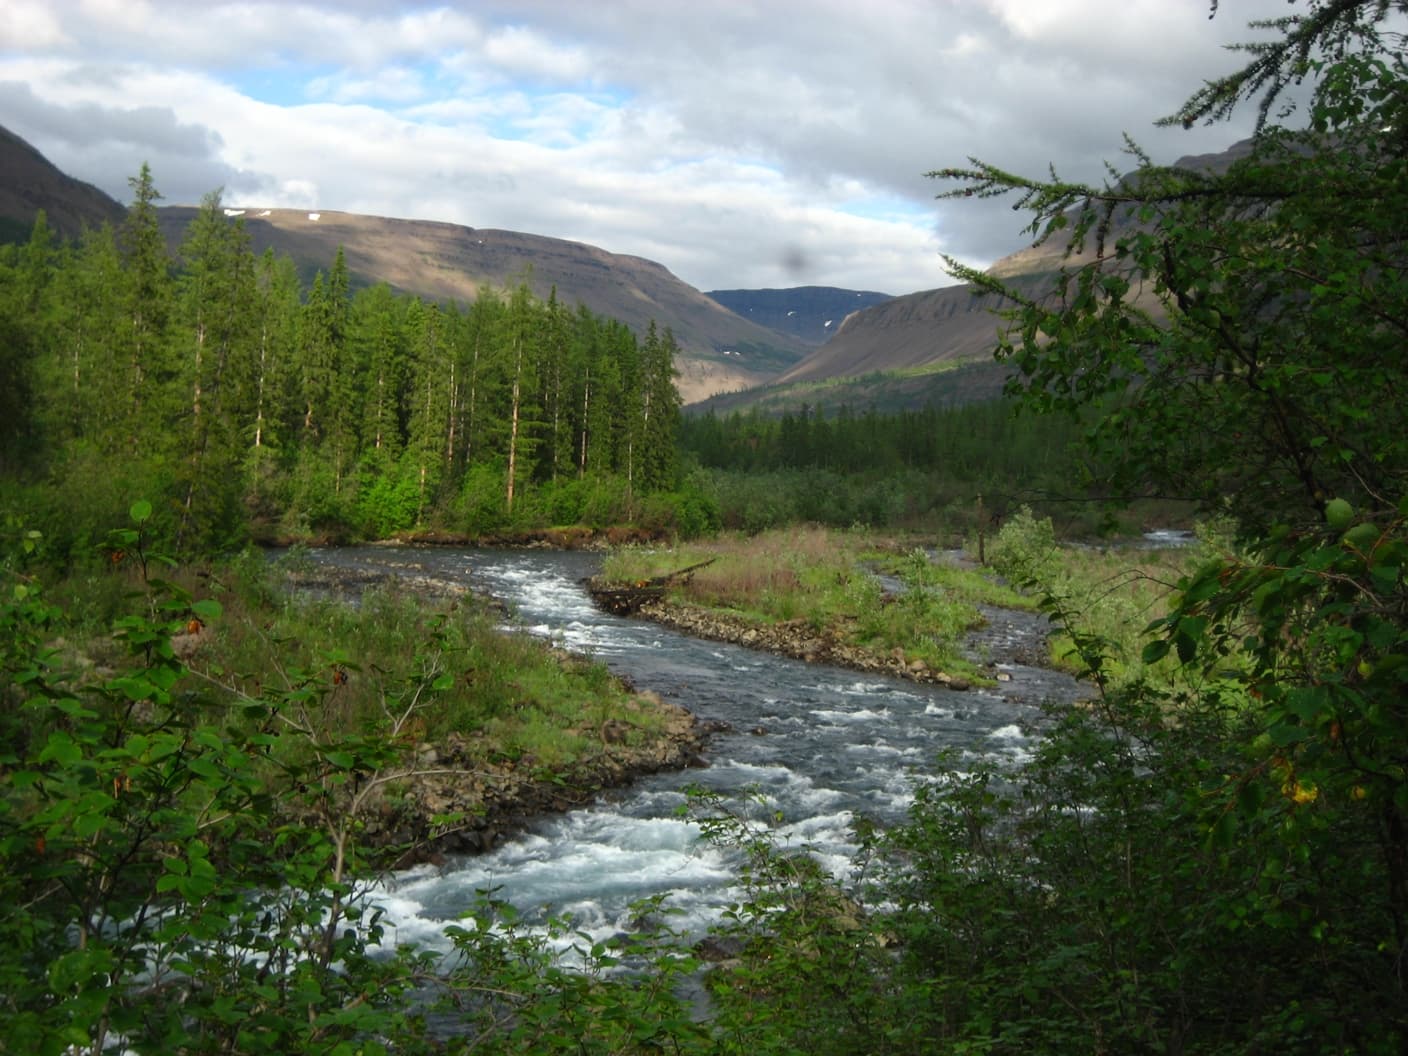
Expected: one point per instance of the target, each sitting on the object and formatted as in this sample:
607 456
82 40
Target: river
818 745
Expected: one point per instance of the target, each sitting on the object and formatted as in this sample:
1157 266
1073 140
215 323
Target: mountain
31 183
933 346
811 313
918 330
903 351
721 351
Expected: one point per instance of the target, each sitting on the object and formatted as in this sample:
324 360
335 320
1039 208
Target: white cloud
739 145
30 24
520 51
392 85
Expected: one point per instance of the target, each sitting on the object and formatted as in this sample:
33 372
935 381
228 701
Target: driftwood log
625 601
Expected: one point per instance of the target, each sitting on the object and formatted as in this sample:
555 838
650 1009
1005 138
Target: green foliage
1330 708
478 507
390 498
626 996
906 469
1024 549
74 510
214 382
814 968
688 513
605 502
155 898
1102 600
18 377
919 571
1088 901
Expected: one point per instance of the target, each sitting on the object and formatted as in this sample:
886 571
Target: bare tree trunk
513 425
380 405
259 385
586 409
556 415
469 410
454 414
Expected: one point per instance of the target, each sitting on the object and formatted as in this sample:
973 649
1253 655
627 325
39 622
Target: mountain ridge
933 330
721 351
810 313
31 183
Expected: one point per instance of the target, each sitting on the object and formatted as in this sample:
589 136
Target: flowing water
818 745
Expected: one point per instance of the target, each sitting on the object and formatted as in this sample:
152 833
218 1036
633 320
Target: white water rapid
818 745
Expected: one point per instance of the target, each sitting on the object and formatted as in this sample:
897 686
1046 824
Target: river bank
575 537
808 751
854 599
405 824
797 639
462 790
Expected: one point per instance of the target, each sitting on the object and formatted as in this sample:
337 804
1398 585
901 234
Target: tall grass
1105 598
356 667
826 579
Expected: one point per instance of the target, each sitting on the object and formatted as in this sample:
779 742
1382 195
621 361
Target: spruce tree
214 329
147 296
660 409
428 396
88 382
522 339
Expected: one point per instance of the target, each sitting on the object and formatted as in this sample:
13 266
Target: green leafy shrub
1024 549
387 503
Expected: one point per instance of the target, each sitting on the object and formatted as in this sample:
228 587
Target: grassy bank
833 583
520 698
423 700
1102 598
828 582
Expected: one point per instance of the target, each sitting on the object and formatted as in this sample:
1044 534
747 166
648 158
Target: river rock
794 638
614 731
481 801
718 948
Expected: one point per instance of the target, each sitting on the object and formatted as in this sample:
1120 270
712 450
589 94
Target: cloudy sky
769 143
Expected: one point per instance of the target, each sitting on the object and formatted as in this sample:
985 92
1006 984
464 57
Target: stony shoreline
497 800
795 638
